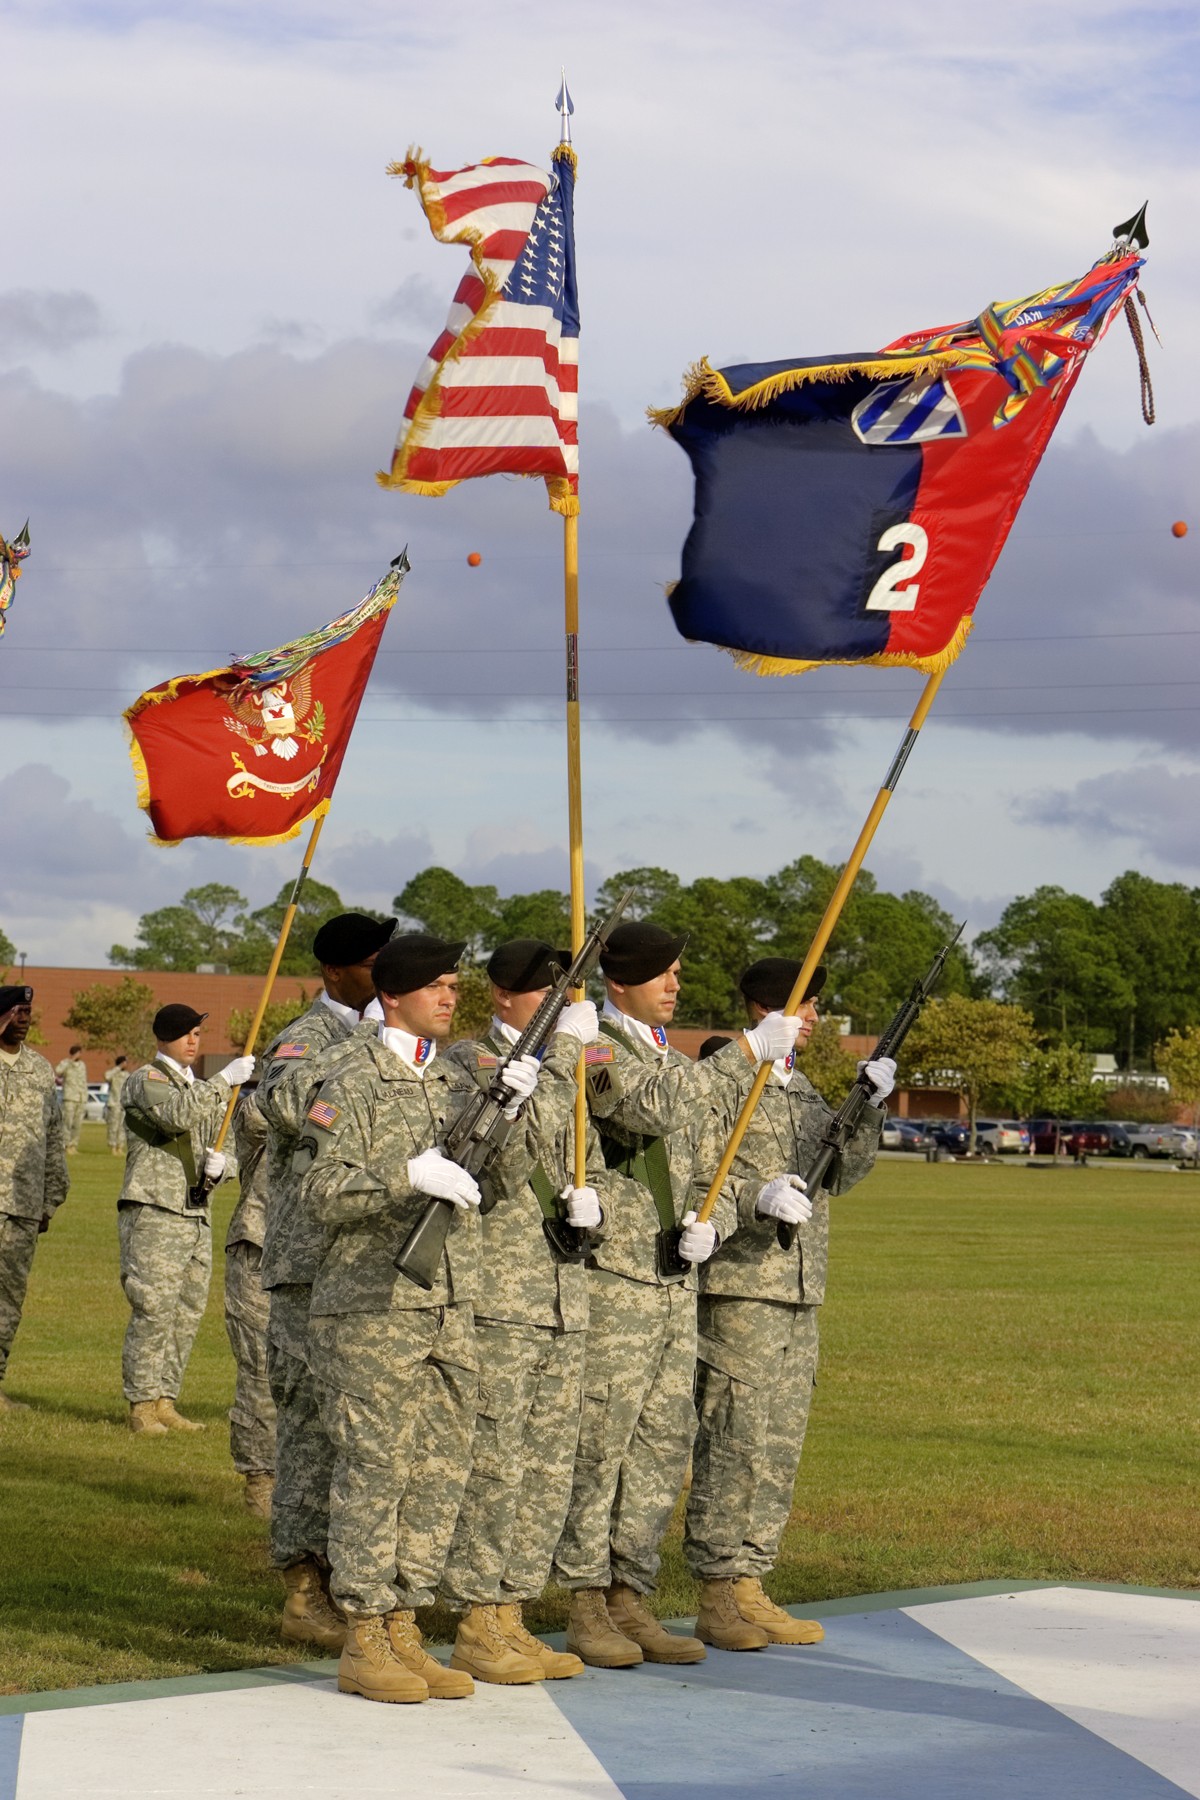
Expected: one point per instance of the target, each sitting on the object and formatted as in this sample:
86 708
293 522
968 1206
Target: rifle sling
176 1143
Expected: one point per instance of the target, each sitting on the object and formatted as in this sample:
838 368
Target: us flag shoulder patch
156 1075
598 1053
485 1060
291 1050
324 1114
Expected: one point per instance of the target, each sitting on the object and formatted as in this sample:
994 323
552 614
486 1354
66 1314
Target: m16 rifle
845 1121
476 1135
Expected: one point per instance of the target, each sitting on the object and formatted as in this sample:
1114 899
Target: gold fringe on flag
934 664
702 381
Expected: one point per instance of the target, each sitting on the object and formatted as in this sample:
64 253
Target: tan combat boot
630 1614
174 1421
370 1667
779 1626
481 1649
720 1624
592 1635
407 1645
309 1615
260 1488
143 1416
7 1405
556 1665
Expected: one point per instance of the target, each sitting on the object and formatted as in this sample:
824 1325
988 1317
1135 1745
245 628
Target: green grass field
1008 1385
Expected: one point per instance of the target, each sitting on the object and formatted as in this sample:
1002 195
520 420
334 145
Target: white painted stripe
281 1743
468 434
1124 1666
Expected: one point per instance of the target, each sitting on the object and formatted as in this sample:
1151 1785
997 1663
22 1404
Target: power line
710 718
590 693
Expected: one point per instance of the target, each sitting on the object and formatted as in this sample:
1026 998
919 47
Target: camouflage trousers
166 1262
114 1123
398 1393
247 1309
757 1360
522 1463
635 1433
18 1241
72 1121
303 1453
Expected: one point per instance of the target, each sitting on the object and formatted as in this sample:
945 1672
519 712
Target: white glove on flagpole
434 1174
785 1198
881 1073
214 1165
697 1241
237 1071
579 1020
583 1207
772 1037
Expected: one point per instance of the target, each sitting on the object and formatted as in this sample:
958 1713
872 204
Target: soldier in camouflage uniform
758 1316
293 1065
252 1415
114 1117
164 1222
530 1321
72 1072
638 1422
33 1168
395 1364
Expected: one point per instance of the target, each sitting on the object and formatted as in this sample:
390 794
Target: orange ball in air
1179 528
475 559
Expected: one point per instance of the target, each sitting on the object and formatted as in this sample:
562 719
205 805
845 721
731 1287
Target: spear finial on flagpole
565 106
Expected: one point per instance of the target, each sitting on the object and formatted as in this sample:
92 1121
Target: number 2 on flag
887 595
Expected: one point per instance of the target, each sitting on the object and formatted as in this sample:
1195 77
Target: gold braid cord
1139 344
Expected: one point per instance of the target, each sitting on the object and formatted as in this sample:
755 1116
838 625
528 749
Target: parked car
94 1105
951 1134
905 1134
1160 1140
994 1136
1112 1135
1077 1137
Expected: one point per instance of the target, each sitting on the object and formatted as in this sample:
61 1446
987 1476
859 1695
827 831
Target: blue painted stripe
10 1754
883 1707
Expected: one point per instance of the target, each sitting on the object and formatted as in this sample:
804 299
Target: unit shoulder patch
324 1114
599 1053
600 1081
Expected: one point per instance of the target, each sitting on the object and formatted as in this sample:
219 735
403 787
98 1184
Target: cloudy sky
211 308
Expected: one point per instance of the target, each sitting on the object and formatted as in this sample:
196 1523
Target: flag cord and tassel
825 929
264 998
1139 344
575 808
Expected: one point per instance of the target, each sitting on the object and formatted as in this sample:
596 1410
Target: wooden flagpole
825 929
264 998
575 809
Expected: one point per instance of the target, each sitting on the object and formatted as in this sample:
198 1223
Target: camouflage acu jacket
292 1067
170 1123
370 1115
250 1135
74 1079
521 1280
637 1096
33 1163
782 1138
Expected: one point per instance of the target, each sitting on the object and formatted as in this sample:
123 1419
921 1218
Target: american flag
498 393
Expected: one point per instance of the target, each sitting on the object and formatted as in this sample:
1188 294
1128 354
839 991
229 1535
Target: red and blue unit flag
851 508
498 393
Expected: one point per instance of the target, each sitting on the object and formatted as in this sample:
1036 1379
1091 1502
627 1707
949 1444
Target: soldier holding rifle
530 1323
648 1101
758 1311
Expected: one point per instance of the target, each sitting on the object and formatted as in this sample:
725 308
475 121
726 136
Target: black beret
14 996
413 960
770 982
524 964
637 951
171 1022
711 1045
350 938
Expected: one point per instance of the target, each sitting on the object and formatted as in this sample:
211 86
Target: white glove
579 1020
520 1078
432 1173
696 1241
583 1207
785 1198
773 1037
881 1074
214 1165
239 1070
373 1010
